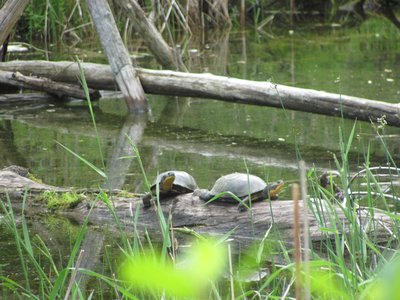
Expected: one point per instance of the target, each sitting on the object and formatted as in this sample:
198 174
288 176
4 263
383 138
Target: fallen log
61 90
189 212
28 98
221 88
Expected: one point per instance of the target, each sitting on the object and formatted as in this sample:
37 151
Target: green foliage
51 285
326 283
53 18
34 178
190 277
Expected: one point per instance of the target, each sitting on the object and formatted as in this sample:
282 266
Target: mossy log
189 212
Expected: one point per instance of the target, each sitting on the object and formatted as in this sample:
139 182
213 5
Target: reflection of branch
90 255
362 7
389 196
117 168
8 146
379 168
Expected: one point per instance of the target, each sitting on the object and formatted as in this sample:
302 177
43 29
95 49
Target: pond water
211 138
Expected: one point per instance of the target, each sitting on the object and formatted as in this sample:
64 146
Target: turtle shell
183 183
240 184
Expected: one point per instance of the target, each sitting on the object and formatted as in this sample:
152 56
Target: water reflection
211 138
118 164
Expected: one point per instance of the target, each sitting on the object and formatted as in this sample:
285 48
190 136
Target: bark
9 16
189 212
118 57
222 88
28 98
61 90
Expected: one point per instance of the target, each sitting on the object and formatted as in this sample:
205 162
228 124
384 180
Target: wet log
153 39
25 99
118 57
61 90
9 16
223 88
189 212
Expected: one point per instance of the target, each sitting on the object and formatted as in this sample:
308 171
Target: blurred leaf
326 283
189 278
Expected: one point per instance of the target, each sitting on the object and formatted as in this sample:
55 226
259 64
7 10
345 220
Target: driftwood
61 90
151 36
189 212
29 98
9 15
221 88
118 57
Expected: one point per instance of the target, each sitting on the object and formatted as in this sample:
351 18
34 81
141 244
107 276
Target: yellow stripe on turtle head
276 188
167 181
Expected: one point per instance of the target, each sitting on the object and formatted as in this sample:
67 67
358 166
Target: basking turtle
21 171
242 185
326 181
171 183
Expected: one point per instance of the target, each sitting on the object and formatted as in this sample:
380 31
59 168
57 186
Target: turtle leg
244 205
147 200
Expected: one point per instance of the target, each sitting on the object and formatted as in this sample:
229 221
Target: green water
211 138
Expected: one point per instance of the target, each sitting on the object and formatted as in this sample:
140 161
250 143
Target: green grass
50 284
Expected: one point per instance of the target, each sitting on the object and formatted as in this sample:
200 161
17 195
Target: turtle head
167 181
204 195
325 179
273 189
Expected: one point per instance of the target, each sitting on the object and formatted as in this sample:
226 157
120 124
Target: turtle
21 171
326 181
242 185
171 183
